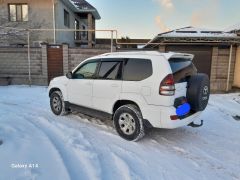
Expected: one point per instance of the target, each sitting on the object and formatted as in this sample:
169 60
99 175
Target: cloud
167 4
206 15
161 24
197 19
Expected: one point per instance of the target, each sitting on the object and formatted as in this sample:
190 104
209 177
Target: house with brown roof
48 16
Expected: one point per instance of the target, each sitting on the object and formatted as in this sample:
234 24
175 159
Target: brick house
217 53
47 14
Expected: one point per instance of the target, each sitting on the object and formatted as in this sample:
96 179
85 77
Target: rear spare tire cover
198 91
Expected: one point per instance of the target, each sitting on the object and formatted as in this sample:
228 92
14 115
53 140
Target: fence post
229 68
65 59
29 60
111 41
44 63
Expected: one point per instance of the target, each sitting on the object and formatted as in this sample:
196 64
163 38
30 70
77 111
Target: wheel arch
61 89
122 102
53 90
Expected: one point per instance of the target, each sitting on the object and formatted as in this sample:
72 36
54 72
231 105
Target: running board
192 124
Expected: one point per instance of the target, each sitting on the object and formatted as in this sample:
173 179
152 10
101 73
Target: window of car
137 69
86 71
182 68
110 70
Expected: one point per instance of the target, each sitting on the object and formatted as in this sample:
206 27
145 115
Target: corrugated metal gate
55 61
202 59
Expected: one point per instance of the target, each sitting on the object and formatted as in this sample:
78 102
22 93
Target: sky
147 18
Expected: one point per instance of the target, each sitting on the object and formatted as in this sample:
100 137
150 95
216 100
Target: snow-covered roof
85 6
193 34
235 27
82 6
196 32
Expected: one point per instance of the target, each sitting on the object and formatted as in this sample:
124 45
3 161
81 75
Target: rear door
202 56
137 74
108 84
182 69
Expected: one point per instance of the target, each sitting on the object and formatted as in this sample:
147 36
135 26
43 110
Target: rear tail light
167 86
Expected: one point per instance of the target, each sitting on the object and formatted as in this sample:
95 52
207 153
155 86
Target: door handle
114 85
88 83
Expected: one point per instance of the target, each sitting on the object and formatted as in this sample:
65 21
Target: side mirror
69 75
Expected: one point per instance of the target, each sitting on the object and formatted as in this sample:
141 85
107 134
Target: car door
108 85
80 87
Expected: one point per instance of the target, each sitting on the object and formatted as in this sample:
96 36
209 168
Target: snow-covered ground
73 147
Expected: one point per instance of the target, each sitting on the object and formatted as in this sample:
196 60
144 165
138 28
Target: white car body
103 94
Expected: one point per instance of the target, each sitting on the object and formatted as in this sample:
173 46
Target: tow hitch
192 124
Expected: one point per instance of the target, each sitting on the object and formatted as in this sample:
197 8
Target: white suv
138 90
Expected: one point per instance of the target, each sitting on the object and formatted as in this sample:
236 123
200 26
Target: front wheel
128 122
57 103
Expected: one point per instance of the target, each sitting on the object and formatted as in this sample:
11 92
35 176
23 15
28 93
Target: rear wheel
128 122
57 103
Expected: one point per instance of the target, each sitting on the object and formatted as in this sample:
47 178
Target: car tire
198 91
57 104
128 122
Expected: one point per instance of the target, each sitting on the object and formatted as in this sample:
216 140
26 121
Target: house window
18 12
84 33
77 33
66 18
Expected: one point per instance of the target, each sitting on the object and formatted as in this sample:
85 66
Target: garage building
216 53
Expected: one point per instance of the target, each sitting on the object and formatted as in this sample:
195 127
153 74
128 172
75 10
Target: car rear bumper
172 124
159 117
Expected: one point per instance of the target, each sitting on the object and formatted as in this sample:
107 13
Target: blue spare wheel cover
183 109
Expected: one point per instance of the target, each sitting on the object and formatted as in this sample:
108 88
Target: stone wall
219 69
14 66
77 55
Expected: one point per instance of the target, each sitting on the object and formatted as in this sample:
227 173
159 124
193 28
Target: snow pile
39 145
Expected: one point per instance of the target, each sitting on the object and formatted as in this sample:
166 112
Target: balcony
81 38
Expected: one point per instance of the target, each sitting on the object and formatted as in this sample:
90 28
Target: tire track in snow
82 152
52 143
124 172
106 154
68 155
198 161
33 173
105 160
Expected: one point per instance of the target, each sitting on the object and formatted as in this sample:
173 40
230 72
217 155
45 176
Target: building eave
193 40
92 11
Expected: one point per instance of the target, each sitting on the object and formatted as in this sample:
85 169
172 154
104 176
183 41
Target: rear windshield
182 69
